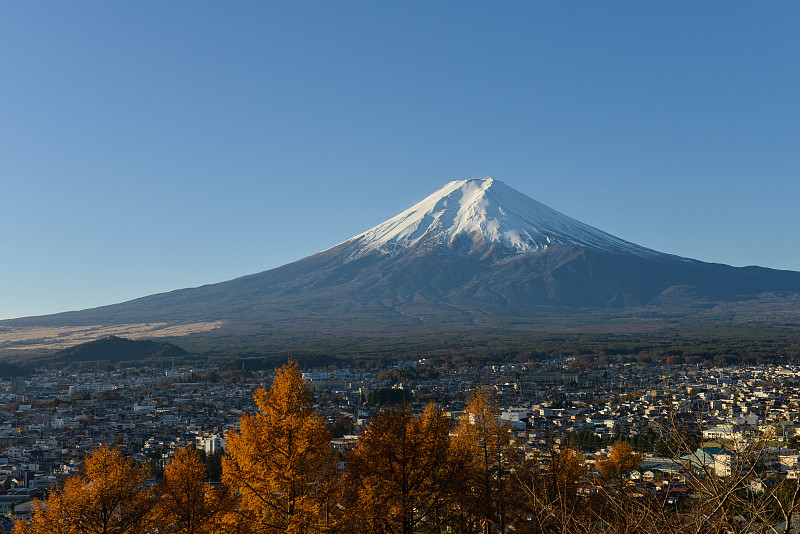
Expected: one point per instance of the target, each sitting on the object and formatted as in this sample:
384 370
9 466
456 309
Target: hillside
116 349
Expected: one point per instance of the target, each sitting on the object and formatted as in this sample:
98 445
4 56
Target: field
42 339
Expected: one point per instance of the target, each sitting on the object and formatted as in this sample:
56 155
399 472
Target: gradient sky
149 146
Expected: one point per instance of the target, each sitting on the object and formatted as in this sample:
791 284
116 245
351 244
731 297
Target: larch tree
624 509
548 485
280 462
186 503
403 471
486 442
620 461
110 496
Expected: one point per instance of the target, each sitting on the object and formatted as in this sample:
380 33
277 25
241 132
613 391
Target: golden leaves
403 469
111 496
186 504
621 459
280 461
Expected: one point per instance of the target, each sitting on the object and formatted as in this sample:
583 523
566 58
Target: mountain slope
476 251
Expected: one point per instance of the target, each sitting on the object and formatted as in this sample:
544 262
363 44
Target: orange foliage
110 496
280 462
621 460
484 440
187 505
403 471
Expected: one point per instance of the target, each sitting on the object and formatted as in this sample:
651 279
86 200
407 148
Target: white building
213 444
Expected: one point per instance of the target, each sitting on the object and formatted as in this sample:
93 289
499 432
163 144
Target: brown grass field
42 339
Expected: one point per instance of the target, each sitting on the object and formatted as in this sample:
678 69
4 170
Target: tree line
408 473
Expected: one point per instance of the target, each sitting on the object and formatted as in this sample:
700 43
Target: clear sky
149 146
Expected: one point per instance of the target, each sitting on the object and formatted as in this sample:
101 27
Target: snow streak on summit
477 216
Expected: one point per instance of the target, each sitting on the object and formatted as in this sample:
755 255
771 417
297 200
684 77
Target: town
50 420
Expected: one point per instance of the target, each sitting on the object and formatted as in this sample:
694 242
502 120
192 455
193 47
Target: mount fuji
485 218
474 253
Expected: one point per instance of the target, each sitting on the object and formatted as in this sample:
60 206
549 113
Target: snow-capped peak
472 216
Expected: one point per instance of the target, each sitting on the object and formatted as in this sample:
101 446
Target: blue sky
148 146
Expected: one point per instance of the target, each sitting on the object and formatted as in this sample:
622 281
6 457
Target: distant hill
117 349
9 370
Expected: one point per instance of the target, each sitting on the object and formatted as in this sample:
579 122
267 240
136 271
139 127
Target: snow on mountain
474 216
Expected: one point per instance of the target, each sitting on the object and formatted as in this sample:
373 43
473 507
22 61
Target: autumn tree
280 461
548 484
187 504
110 496
403 471
724 502
621 460
486 443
